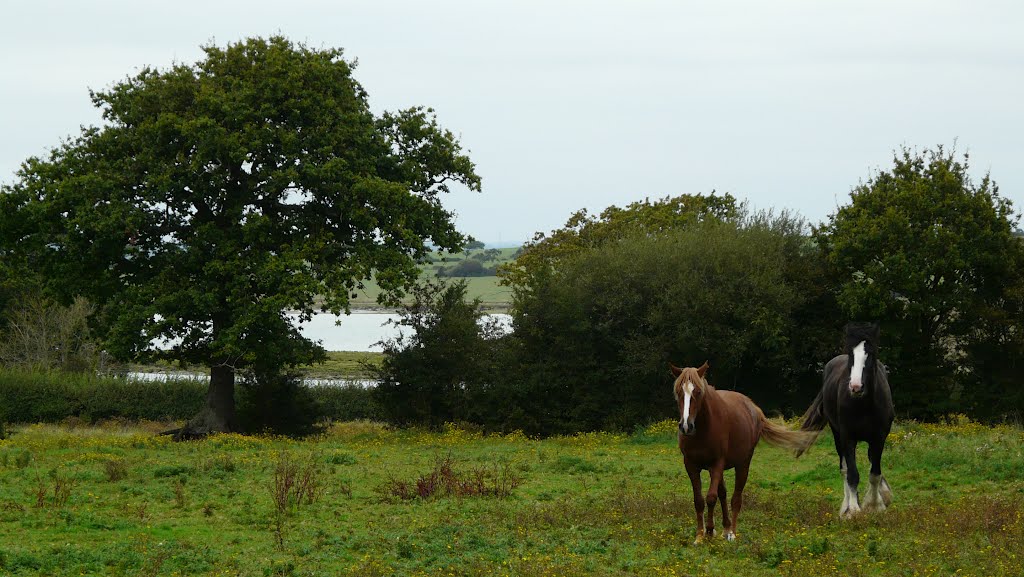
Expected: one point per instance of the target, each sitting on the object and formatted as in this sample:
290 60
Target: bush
39 334
431 376
277 403
471 267
51 396
596 335
347 402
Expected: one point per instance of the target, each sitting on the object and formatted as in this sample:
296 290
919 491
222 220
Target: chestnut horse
718 430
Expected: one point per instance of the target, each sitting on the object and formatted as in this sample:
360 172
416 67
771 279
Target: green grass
592 504
488 289
343 365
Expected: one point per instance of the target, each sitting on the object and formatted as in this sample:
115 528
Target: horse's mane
857 332
690 374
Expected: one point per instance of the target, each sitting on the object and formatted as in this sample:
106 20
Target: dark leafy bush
277 403
595 335
49 396
436 374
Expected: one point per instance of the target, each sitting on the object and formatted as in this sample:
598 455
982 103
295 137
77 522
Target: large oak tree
218 198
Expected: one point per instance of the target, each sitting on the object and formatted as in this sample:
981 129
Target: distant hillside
505 244
475 266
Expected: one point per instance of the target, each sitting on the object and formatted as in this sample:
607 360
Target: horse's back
746 418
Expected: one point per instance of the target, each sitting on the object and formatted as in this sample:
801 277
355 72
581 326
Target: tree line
602 305
219 196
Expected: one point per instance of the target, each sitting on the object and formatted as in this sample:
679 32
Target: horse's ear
703 369
676 371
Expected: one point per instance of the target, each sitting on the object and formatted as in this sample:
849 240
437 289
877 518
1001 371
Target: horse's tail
813 422
782 436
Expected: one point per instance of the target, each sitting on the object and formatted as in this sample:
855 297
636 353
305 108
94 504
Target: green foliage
219 195
282 404
466 268
429 376
276 403
596 336
583 232
43 335
346 402
40 397
51 397
930 254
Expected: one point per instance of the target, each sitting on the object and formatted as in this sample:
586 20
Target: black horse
856 403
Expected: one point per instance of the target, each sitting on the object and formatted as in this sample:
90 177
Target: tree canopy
584 231
931 254
219 196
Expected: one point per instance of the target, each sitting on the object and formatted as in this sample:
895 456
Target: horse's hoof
886 492
730 536
698 540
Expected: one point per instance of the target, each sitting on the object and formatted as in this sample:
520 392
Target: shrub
429 377
470 267
445 480
33 396
277 403
115 469
40 334
595 336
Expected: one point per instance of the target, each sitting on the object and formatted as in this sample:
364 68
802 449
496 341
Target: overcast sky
585 104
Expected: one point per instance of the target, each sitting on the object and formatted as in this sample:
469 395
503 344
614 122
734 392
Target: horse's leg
878 494
737 500
716 471
698 499
851 478
841 452
724 499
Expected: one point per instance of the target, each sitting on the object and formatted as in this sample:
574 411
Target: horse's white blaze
860 359
687 395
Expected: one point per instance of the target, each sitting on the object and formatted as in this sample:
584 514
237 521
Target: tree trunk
218 415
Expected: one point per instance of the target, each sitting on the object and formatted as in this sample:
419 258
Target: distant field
493 296
343 365
121 500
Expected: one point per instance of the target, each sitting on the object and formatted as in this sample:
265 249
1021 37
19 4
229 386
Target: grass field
120 500
492 295
343 365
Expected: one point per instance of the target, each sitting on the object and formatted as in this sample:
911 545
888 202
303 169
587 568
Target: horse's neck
712 402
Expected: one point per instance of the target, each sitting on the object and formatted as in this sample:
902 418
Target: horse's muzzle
687 428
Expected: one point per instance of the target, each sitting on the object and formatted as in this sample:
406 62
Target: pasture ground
120 500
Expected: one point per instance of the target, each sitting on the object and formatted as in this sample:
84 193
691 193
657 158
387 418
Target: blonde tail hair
782 436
